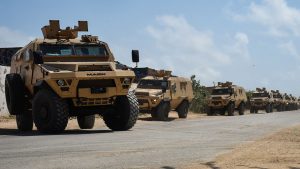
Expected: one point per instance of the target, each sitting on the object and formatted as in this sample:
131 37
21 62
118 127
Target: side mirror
164 86
135 56
38 57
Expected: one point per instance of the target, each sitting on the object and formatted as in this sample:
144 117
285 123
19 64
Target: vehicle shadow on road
151 119
16 132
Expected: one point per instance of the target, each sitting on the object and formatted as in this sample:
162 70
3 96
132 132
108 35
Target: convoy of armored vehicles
61 76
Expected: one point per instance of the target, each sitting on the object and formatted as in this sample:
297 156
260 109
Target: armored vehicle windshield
152 84
226 91
73 50
260 95
277 96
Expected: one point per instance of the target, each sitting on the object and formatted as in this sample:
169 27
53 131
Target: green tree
199 103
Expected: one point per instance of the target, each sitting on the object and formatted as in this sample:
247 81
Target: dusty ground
10 123
278 151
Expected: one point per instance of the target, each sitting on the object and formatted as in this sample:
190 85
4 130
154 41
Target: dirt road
174 144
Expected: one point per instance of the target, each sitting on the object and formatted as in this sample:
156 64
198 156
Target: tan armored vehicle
60 75
279 102
159 93
291 102
227 97
261 99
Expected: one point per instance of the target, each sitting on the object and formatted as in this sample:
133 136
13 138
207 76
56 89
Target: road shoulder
277 151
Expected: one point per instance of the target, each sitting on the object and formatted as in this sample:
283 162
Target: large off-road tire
153 113
125 113
230 109
268 108
162 111
252 109
24 121
271 108
14 94
86 122
183 109
241 109
210 111
50 113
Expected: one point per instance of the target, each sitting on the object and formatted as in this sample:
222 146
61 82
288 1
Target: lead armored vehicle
227 97
61 75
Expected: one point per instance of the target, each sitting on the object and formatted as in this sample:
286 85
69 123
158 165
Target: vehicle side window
183 85
173 87
27 55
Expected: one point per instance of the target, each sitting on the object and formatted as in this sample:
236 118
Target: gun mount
53 30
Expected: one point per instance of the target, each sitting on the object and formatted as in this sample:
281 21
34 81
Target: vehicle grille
97 101
141 93
142 101
96 83
94 68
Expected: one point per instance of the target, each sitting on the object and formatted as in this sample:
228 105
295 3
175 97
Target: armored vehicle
159 92
227 97
261 99
291 102
278 98
61 75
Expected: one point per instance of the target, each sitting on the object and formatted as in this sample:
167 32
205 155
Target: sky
253 43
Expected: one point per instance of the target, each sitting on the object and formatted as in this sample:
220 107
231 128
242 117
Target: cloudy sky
252 43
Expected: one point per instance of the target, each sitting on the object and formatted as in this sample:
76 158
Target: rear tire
268 108
50 113
86 122
163 109
24 121
125 113
230 109
183 109
242 109
271 108
14 94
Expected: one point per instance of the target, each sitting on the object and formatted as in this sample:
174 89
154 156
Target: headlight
126 81
61 83
153 101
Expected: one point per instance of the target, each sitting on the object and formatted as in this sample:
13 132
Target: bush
201 94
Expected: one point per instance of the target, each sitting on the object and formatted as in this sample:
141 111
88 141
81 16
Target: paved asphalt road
149 145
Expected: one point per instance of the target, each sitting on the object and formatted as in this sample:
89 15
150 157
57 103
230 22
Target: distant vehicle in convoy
60 75
279 103
261 99
291 102
159 92
227 97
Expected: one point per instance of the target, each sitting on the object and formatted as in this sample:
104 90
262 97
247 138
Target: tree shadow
16 132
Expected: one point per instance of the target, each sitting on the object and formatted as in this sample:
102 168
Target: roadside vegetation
199 103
